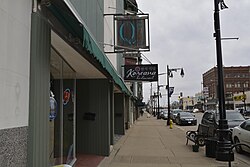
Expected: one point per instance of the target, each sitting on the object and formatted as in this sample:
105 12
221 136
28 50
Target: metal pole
158 99
151 99
219 62
223 152
168 121
244 99
154 106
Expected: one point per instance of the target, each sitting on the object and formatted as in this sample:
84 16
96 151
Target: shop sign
240 97
205 91
141 72
53 107
130 61
131 33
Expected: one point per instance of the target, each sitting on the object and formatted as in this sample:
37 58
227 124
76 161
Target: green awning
68 19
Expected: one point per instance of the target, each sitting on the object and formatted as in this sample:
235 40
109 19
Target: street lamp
158 99
244 98
223 152
170 74
158 94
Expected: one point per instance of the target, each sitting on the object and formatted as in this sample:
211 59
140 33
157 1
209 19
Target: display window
62 111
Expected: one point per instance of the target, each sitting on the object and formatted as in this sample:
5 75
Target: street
186 128
244 157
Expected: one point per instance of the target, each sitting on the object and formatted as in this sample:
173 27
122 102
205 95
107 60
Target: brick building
236 80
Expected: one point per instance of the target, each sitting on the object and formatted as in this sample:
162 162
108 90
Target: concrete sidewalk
150 143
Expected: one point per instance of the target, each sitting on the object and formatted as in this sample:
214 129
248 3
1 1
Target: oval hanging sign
53 109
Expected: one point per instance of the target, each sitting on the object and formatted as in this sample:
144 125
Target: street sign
205 91
171 91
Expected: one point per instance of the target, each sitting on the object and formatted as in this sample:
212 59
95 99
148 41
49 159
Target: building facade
236 80
62 95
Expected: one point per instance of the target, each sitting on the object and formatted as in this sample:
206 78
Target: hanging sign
53 107
131 33
141 72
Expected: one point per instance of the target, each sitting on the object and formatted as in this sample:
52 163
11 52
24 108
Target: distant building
236 80
242 100
188 103
199 101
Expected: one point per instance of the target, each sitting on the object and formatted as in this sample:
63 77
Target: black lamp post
170 74
244 98
158 99
158 94
154 107
223 152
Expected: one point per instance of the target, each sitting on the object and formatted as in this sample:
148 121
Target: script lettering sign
141 72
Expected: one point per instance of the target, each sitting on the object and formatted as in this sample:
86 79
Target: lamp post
223 152
154 105
158 94
244 98
170 74
158 99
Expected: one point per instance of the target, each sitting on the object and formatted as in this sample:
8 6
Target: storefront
59 87
242 101
86 92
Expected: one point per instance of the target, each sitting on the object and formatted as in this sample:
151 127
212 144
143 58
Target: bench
198 137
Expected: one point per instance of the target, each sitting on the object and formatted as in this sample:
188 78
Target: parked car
196 110
185 118
247 114
241 134
210 118
174 113
164 114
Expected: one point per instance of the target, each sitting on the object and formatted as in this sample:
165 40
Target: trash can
211 144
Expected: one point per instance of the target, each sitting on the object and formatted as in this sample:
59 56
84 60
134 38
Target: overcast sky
181 35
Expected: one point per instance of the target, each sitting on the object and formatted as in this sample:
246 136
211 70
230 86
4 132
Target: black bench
198 137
